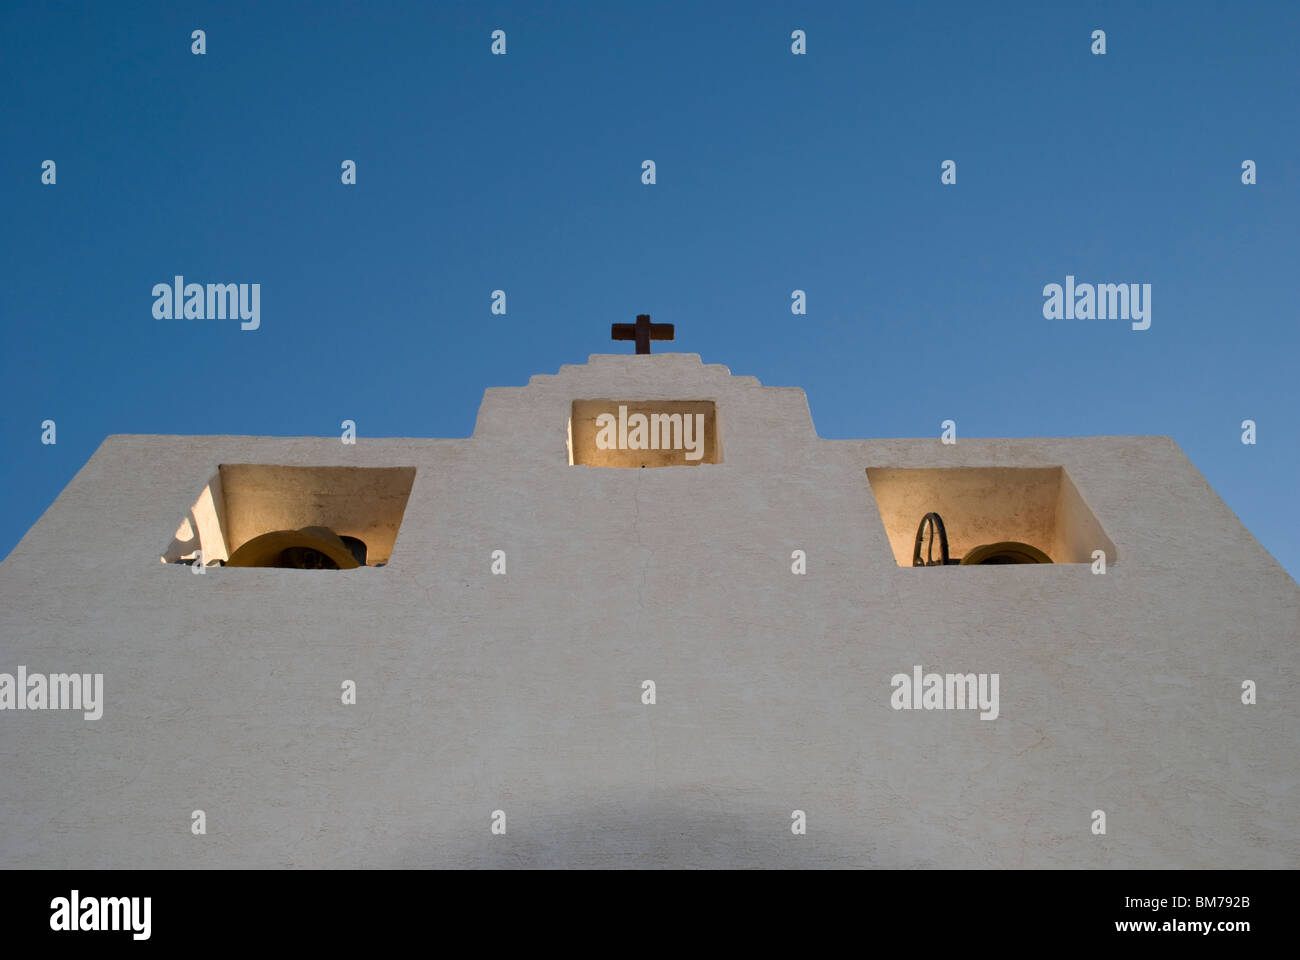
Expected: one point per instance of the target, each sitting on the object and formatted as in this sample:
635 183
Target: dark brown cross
643 331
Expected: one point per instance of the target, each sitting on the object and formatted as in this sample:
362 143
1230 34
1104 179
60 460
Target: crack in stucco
1042 738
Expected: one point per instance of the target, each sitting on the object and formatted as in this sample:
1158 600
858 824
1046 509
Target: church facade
645 617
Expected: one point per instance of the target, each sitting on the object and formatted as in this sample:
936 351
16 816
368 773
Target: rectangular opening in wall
644 433
990 515
260 515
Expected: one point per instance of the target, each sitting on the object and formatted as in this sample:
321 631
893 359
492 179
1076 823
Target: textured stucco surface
523 692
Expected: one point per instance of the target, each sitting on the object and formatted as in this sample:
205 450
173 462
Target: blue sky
774 172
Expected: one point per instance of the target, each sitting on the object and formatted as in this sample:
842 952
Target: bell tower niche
302 518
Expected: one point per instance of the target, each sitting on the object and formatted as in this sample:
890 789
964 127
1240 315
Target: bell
311 548
1004 551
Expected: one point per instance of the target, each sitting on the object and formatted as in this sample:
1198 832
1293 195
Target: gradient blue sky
775 172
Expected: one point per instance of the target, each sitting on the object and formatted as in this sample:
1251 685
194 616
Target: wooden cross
643 331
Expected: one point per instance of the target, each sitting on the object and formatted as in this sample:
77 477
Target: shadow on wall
653 835
202 528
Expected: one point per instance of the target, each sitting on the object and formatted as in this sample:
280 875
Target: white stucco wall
523 693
